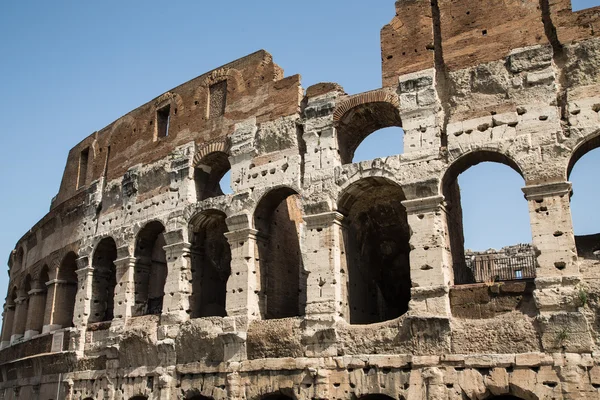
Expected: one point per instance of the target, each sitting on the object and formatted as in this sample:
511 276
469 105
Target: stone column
430 258
124 291
64 311
176 302
20 320
7 327
49 324
322 257
552 229
244 284
83 302
35 314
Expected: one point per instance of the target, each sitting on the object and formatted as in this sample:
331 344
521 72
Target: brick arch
169 98
358 116
233 77
217 146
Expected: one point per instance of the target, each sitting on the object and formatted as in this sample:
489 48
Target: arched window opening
9 317
209 176
199 397
361 121
19 258
488 220
104 281
380 144
211 265
66 291
375 251
278 218
22 308
150 272
138 398
276 396
37 304
584 208
377 396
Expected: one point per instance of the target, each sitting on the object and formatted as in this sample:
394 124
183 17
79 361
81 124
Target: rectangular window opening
217 99
163 119
83 166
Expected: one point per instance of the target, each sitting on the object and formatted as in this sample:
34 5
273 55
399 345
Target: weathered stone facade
319 278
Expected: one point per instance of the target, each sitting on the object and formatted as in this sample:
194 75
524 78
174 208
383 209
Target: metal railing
494 268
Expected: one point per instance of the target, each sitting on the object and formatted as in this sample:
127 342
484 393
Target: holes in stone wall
150 272
282 287
211 265
376 244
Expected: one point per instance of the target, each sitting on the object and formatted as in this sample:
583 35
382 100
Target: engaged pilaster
243 286
322 258
124 292
429 257
176 302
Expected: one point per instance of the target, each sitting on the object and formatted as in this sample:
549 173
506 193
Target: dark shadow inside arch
150 272
211 265
104 281
378 396
276 396
513 262
277 219
375 251
66 291
362 120
209 174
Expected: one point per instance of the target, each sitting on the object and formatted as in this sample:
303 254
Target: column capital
538 192
177 249
423 205
88 270
323 220
241 234
34 292
53 282
82 262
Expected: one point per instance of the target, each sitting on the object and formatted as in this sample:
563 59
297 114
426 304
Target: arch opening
211 265
212 177
380 144
584 164
488 220
278 219
104 281
150 272
66 292
361 121
375 251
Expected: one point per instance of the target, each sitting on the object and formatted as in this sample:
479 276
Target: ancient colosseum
320 278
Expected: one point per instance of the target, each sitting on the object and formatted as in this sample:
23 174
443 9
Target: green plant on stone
583 297
562 336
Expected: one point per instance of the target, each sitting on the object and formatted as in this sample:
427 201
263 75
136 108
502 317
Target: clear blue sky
70 68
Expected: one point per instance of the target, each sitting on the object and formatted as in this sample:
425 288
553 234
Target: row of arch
280 396
44 300
375 249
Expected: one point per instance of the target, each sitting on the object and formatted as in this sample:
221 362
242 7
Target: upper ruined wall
454 34
255 88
